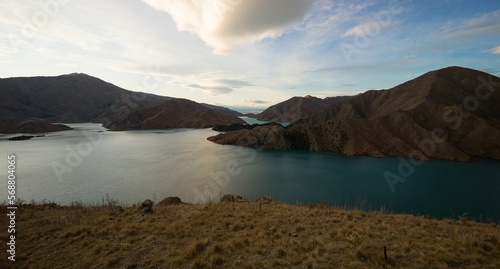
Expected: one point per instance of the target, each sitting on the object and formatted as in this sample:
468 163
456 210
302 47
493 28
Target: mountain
175 113
30 127
68 98
451 113
297 108
292 109
336 99
77 98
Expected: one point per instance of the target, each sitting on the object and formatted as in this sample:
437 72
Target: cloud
495 50
211 90
329 19
352 68
227 24
485 25
233 83
211 86
369 29
177 70
256 101
358 30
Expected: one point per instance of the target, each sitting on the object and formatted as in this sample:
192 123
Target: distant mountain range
451 113
77 98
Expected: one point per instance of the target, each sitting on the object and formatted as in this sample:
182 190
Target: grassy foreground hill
244 235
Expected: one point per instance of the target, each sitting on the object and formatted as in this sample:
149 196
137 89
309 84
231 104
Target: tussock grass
239 235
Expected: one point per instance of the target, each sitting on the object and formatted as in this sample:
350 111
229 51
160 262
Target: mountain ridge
78 97
67 98
423 118
297 108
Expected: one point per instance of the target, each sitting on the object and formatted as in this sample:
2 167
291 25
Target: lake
90 165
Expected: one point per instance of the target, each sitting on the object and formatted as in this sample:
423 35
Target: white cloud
368 29
256 102
211 90
360 29
227 24
330 19
485 25
235 83
495 50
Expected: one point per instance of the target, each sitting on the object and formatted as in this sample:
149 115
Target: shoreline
107 201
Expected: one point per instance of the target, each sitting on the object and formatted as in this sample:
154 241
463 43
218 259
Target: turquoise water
137 165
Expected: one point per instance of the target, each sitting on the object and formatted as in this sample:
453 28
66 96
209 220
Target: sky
248 54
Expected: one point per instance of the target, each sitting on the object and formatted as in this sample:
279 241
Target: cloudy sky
248 54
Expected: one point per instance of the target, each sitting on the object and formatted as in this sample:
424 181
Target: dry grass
238 235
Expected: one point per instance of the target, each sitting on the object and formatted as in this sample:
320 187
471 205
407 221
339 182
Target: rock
232 198
491 238
146 206
170 201
117 210
132 266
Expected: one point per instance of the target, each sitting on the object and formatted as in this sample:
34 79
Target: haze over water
136 165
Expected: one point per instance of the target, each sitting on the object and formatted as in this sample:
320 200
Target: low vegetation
243 234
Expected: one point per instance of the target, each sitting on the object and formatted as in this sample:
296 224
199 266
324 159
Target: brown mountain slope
82 98
293 109
452 113
68 98
175 113
224 110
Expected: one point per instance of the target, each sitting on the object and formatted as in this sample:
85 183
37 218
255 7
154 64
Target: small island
237 127
21 137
